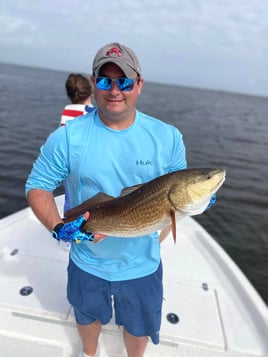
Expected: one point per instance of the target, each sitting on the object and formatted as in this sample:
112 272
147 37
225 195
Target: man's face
115 105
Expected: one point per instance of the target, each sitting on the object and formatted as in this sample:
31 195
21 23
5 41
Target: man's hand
73 231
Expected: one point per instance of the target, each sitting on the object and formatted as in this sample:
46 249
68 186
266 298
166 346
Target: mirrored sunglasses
123 84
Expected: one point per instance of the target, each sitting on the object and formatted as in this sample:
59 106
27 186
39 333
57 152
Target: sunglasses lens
123 84
103 83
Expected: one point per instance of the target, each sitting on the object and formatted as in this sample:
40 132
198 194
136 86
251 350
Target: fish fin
164 233
86 206
127 190
173 224
99 198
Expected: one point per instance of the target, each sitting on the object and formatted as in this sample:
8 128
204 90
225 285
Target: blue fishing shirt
93 158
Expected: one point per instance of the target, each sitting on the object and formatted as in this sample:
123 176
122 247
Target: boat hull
209 307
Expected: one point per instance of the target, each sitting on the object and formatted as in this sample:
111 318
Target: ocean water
220 129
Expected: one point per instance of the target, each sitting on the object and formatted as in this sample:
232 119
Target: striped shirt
71 111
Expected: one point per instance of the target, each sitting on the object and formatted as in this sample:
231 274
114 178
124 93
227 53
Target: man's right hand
72 231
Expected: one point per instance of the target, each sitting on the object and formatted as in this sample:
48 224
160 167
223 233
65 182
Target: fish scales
138 212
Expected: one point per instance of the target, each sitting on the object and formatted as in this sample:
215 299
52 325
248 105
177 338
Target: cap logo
114 52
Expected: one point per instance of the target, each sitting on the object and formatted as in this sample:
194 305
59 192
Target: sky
213 44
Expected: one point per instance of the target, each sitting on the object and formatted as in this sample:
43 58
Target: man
113 147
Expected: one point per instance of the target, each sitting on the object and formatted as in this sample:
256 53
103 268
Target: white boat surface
209 309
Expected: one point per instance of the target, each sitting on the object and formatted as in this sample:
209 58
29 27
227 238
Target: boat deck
209 308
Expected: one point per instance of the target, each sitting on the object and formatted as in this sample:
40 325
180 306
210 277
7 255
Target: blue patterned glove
72 232
212 201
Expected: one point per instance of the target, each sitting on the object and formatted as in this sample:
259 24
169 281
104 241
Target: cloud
192 42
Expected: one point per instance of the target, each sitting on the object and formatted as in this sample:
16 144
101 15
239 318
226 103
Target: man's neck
118 122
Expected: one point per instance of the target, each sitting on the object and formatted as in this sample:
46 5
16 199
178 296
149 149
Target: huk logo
144 163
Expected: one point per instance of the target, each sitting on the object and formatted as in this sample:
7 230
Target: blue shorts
137 302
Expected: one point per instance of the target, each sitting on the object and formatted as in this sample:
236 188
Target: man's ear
140 84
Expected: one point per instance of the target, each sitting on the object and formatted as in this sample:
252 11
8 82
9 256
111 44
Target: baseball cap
118 54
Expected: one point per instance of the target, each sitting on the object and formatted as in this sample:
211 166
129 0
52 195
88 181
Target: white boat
209 309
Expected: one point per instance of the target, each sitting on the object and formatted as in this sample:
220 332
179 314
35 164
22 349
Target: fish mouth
220 182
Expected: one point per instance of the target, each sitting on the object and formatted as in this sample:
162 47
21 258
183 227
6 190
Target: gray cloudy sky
218 44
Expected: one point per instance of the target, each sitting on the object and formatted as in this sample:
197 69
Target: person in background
113 147
79 90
